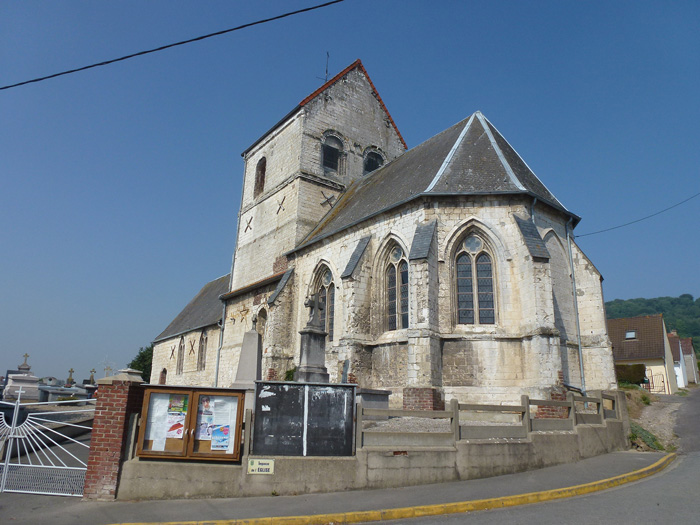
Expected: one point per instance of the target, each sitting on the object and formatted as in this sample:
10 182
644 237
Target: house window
180 356
331 152
373 161
326 295
396 277
202 353
474 280
631 334
260 177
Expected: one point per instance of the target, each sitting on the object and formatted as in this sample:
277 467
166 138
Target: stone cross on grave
26 356
312 354
316 317
70 379
92 376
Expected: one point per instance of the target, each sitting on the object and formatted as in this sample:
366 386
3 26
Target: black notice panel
300 419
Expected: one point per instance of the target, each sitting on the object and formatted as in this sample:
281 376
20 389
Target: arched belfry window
326 295
260 177
474 280
396 279
373 161
331 153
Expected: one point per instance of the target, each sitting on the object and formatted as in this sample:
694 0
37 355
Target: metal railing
44 447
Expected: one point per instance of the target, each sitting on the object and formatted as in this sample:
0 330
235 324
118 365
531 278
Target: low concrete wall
372 467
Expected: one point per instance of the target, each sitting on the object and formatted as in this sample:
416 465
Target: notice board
303 419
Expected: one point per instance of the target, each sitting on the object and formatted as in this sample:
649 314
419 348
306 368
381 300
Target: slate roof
355 257
357 64
469 158
422 240
533 241
204 310
650 340
687 346
675 343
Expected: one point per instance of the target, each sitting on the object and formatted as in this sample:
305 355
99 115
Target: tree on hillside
680 313
142 362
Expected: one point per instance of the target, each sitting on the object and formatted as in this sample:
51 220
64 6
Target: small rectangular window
631 334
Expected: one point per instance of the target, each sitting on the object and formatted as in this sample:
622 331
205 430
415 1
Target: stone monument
24 380
312 363
249 364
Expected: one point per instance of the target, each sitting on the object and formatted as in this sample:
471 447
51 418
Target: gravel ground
659 418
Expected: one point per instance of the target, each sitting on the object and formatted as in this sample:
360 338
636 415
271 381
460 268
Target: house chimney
674 332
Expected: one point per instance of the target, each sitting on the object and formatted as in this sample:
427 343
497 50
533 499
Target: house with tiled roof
643 340
678 361
691 360
448 270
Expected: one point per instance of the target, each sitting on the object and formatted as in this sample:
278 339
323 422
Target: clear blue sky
120 185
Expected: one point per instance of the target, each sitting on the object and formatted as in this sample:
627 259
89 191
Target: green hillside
680 313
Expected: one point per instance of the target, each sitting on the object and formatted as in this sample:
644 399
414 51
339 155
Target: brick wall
116 401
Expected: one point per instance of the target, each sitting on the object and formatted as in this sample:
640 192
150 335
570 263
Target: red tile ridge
357 63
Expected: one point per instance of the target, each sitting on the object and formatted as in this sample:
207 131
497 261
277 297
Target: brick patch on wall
557 393
423 398
280 264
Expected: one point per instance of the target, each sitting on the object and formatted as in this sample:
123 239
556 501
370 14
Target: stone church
447 270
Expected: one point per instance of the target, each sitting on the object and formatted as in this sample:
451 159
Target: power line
642 219
183 42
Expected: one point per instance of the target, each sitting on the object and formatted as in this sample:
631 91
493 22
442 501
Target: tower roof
357 64
469 158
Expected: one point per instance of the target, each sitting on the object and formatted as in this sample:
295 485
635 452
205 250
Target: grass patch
624 385
682 392
639 435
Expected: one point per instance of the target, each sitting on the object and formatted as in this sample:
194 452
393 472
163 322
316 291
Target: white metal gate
44 447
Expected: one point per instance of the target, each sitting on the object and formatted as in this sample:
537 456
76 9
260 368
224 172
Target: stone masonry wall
165 356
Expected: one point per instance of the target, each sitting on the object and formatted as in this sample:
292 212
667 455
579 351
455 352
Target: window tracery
474 283
325 289
396 279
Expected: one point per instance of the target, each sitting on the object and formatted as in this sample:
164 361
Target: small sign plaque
261 466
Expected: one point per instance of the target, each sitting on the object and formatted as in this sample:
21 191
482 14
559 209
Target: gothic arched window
326 295
474 283
396 279
202 353
260 177
180 356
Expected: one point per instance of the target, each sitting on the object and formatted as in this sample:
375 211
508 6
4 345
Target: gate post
117 398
